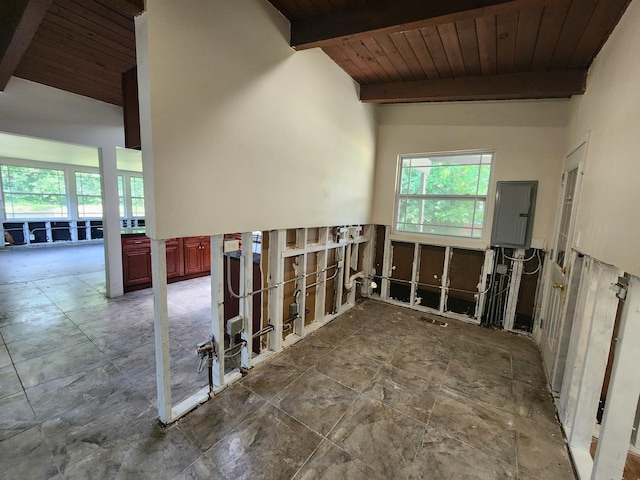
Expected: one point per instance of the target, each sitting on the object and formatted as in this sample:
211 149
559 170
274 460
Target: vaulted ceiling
397 50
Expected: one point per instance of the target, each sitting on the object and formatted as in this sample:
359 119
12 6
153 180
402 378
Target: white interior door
555 300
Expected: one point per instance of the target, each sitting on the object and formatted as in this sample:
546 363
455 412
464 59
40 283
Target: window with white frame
121 195
34 192
137 197
443 194
89 194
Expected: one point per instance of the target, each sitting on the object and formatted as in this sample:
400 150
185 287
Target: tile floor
376 394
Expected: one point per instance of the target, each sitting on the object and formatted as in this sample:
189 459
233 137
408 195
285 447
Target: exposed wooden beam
26 28
395 16
560 84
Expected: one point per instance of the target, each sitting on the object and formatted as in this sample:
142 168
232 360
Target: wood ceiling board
533 85
416 41
486 27
50 38
109 14
386 68
71 21
528 28
55 79
101 25
453 51
337 55
362 57
507 31
575 24
434 45
403 46
553 18
32 15
395 57
128 8
393 17
605 17
468 39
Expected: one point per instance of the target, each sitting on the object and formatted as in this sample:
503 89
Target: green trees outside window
89 193
34 192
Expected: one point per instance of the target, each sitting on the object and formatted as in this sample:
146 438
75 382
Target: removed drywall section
430 274
607 116
246 133
528 138
465 268
401 271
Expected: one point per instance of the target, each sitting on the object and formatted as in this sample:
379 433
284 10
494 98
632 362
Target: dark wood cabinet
186 258
197 255
136 261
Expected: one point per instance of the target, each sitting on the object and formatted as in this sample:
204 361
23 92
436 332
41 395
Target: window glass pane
137 197
137 187
121 194
444 194
89 193
34 192
137 207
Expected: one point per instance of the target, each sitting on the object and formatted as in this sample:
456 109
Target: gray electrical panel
513 214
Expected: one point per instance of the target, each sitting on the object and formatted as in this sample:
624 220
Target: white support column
445 279
26 233
514 289
596 357
161 329
2 214
487 269
368 258
246 303
341 254
217 307
300 269
624 389
321 287
276 289
110 222
48 231
577 344
386 264
73 230
415 274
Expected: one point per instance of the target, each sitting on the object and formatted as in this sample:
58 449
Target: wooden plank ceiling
397 50
412 51
81 46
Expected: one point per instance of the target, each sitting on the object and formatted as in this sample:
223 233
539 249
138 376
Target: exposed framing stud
246 302
514 289
276 289
161 329
217 306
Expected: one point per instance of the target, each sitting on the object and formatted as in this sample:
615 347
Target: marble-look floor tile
5 359
269 379
349 367
315 400
34 300
488 429
29 314
97 312
484 357
27 456
329 462
421 361
483 385
380 347
407 393
201 469
444 458
161 454
530 372
54 324
309 352
542 452
533 402
210 422
56 396
384 439
16 415
40 343
60 363
270 446
9 381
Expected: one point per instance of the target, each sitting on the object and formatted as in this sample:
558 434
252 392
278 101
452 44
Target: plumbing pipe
350 279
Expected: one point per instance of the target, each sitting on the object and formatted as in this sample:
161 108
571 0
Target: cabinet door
192 256
175 262
137 266
206 254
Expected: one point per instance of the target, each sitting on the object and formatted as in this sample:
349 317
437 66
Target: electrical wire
504 255
537 268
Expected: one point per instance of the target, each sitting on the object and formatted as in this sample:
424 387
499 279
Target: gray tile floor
376 394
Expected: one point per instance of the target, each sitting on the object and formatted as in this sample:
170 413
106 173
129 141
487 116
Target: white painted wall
607 225
529 138
246 134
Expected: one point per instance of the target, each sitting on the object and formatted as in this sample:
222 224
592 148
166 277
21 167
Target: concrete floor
378 393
